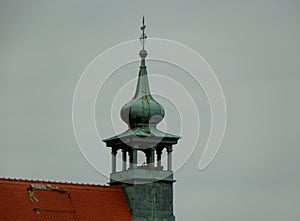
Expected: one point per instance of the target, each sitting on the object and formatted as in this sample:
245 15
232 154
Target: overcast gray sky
253 47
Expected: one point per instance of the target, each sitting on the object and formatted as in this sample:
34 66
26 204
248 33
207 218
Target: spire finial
143 36
143 52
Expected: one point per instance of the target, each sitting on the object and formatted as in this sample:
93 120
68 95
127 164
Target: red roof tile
61 201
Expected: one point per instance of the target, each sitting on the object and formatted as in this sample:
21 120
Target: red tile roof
61 201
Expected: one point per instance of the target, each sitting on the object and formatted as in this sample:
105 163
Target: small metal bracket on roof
37 210
33 187
32 198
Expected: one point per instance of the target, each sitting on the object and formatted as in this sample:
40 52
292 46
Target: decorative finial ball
143 53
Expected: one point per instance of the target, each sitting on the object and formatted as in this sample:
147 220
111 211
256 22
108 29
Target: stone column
169 150
134 158
130 159
158 157
113 160
124 159
150 157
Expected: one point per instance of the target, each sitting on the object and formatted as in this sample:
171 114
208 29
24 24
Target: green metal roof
142 113
142 109
143 132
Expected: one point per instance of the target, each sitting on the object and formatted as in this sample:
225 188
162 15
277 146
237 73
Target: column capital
114 151
159 151
169 148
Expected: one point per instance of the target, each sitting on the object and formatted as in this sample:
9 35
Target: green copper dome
142 113
142 109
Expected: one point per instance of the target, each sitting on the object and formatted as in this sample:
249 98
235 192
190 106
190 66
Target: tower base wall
150 201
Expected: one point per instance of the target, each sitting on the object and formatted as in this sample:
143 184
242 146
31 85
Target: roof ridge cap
52 181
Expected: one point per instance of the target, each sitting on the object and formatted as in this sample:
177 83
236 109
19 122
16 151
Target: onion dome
142 113
142 109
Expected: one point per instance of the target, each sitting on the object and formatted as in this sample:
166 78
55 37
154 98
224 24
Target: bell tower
148 187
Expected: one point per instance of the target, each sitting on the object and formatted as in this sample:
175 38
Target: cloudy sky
253 48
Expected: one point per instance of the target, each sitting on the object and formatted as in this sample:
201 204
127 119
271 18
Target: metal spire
143 36
143 53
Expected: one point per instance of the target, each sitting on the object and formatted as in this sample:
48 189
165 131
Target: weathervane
143 36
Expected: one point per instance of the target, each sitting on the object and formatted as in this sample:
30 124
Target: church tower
148 187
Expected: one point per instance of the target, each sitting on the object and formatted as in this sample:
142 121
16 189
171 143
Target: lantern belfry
148 187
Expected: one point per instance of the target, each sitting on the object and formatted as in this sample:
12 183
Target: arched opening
141 159
164 159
